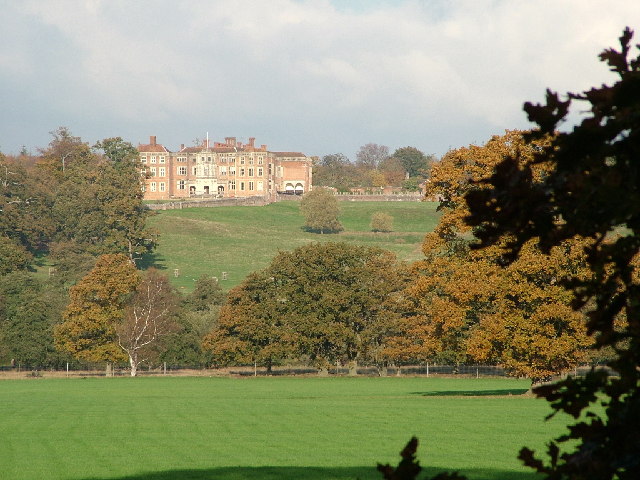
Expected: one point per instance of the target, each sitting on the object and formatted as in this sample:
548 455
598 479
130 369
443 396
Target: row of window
182 185
153 159
222 159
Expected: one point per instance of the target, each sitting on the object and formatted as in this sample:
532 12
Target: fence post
427 369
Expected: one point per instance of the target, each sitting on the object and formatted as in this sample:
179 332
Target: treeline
321 304
374 167
336 303
63 212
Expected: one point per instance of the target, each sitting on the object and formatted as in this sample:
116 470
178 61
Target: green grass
200 428
240 240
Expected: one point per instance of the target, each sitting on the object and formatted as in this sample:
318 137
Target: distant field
264 428
240 240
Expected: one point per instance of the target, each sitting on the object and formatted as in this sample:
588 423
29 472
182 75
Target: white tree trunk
134 365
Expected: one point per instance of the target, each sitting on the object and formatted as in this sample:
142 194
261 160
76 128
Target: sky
318 77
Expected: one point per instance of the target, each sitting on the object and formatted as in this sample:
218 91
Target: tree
207 293
63 150
24 206
371 155
321 210
337 171
590 191
13 256
252 326
414 162
393 171
100 205
148 317
97 305
468 304
381 222
328 301
28 312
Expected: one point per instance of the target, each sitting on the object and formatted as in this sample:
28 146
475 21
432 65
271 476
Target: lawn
161 428
240 240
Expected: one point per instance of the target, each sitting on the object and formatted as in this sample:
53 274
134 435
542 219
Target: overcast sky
313 76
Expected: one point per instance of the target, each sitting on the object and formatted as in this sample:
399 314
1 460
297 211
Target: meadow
240 240
161 428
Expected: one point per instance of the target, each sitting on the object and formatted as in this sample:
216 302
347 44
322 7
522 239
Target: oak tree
97 306
467 304
590 191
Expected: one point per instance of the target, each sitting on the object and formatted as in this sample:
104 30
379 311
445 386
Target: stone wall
212 202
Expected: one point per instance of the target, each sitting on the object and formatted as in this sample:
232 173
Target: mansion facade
222 169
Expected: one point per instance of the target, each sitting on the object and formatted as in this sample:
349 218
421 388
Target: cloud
316 76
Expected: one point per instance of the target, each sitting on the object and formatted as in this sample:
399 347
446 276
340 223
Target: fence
425 370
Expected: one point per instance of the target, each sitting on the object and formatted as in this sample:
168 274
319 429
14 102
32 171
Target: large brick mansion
229 169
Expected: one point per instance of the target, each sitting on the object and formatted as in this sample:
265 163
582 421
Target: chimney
231 141
263 147
152 140
181 146
252 141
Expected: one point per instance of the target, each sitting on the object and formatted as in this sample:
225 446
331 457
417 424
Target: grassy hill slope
239 240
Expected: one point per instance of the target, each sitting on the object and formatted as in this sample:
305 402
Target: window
242 172
162 159
250 160
182 170
259 160
270 168
153 171
153 186
195 170
232 170
232 160
163 172
251 172
260 171
153 159
181 185
223 170
242 161
208 159
232 185
181 159
251 186
143 159
260 186
162 186
241 185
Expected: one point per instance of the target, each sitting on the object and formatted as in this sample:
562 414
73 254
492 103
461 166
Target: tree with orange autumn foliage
469 304
97 306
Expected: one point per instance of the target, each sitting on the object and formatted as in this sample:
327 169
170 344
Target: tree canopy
321 210
468 305
327 301
590 191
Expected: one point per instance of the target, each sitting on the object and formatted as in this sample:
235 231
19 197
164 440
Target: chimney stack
263 147
252 141
231 141
152 139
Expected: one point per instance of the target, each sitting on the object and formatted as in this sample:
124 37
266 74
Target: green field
161 428
240 240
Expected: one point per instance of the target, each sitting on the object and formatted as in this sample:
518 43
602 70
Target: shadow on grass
308 473
152 259
473 393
